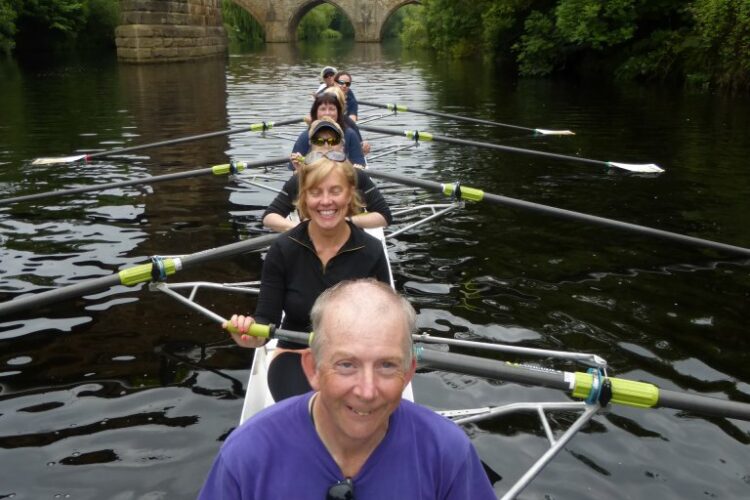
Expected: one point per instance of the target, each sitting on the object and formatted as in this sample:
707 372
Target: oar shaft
58 294
146 180
466 142
625 392
132 276
254 127
403 108
474 194
703 405
489 368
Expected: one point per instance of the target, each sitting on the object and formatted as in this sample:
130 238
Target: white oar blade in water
542 131
62 159
650 168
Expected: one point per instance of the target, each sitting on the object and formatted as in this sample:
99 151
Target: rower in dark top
321 251
343 80
348 122
328 105
326 140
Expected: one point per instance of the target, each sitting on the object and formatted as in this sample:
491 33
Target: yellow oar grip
416 134
254 127
141 274
467 193
624 392
256 330
225 169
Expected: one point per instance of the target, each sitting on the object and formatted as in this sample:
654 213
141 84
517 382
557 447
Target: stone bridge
280 18
179 30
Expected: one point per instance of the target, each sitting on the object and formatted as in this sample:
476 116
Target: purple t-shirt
278 454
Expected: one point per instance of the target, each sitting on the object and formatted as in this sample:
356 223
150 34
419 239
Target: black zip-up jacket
293 276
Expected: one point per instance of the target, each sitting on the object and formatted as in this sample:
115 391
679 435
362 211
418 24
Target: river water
125 394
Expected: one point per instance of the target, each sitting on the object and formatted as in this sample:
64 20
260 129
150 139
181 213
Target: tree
8 14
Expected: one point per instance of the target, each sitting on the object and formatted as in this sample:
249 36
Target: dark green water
125 394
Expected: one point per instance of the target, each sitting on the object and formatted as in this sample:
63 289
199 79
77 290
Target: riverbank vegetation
698 42
49 26
703 43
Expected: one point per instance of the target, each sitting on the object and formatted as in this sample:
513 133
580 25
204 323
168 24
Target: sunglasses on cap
342 82
343 490
325 141
331 155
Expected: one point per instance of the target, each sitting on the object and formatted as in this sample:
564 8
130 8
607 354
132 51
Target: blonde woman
323 250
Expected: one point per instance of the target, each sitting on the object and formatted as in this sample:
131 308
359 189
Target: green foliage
722 30
102 17
538 52
48 25
240 25
324 22
414 30
502 23
654 58
8 14
596 23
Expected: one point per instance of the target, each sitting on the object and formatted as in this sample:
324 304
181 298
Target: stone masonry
166 31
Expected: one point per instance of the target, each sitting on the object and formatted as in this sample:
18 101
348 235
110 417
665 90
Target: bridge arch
280 18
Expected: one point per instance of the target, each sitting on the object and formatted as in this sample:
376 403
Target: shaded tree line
32 26
700 42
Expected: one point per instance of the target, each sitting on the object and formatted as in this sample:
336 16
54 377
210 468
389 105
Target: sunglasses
331 155
343 490
325 141
342 82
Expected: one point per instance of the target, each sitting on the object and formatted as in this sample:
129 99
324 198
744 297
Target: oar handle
255 330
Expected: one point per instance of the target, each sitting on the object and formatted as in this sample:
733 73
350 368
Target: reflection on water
95 389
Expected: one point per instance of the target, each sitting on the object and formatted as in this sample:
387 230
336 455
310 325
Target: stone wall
164 31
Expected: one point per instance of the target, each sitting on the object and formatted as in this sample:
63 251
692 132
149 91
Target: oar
474 194
400 108
255 127
427 136
227 168
157 270
589 386
593 386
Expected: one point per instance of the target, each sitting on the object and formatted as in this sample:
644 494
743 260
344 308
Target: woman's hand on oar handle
297 160
240 327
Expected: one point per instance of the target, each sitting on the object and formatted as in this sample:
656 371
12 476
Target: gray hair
384 303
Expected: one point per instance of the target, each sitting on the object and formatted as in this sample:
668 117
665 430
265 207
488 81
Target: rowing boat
257 395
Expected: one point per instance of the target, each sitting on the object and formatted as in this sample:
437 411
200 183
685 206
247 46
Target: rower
343 80
348 121
328 105
354 436
322 250
327 75
326 139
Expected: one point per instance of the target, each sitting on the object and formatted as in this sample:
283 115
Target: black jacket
293 275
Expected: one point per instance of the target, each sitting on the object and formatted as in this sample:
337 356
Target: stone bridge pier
169 30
